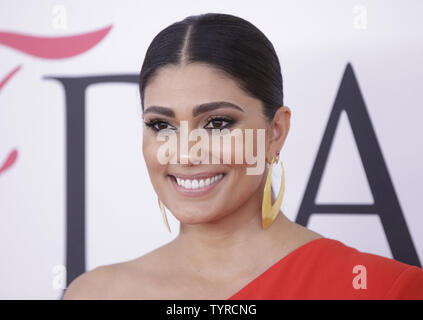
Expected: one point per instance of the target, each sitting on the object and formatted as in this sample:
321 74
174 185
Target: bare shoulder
304 234
94 284
139 278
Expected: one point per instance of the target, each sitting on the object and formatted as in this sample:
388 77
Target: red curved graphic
9 160
53 47
9 76
14 153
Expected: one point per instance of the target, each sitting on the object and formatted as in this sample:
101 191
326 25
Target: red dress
328 269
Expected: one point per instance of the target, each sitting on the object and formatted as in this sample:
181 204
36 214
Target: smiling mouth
198 186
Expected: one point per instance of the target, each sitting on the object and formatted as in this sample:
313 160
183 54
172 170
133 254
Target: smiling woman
217 72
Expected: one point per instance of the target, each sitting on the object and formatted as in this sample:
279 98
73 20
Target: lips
196 185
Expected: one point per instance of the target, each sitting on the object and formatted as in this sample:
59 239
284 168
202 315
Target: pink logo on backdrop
45 48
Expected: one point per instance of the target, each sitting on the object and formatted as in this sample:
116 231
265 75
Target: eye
218 123
158 125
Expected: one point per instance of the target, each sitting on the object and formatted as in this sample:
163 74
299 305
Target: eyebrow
201 108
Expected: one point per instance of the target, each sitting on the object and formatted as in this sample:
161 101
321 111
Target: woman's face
208 191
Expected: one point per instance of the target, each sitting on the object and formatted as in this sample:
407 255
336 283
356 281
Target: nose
193 146
188 160
192 152
186 157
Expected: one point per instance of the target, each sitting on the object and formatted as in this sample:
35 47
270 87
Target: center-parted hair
225 42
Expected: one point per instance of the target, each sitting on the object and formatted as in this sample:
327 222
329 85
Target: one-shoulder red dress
325 268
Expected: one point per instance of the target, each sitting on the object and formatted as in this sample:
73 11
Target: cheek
146 149
149 149
242 148
228 148
243 184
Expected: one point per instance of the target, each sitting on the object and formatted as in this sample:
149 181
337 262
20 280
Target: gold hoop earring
269 212
162 209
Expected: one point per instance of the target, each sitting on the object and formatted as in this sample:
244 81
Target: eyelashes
219 122
212 122
158 125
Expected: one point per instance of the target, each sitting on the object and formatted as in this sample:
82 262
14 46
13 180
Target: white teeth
196 184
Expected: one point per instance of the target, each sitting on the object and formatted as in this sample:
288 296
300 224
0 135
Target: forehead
193 84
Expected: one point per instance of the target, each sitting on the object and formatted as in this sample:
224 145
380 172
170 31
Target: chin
195 215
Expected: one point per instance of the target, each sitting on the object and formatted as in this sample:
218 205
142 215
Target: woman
218 71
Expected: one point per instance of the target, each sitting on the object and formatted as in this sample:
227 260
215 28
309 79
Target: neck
238 236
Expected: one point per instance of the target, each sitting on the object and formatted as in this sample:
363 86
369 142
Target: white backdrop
383 41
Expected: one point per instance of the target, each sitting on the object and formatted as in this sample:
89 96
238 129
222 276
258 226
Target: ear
278 131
